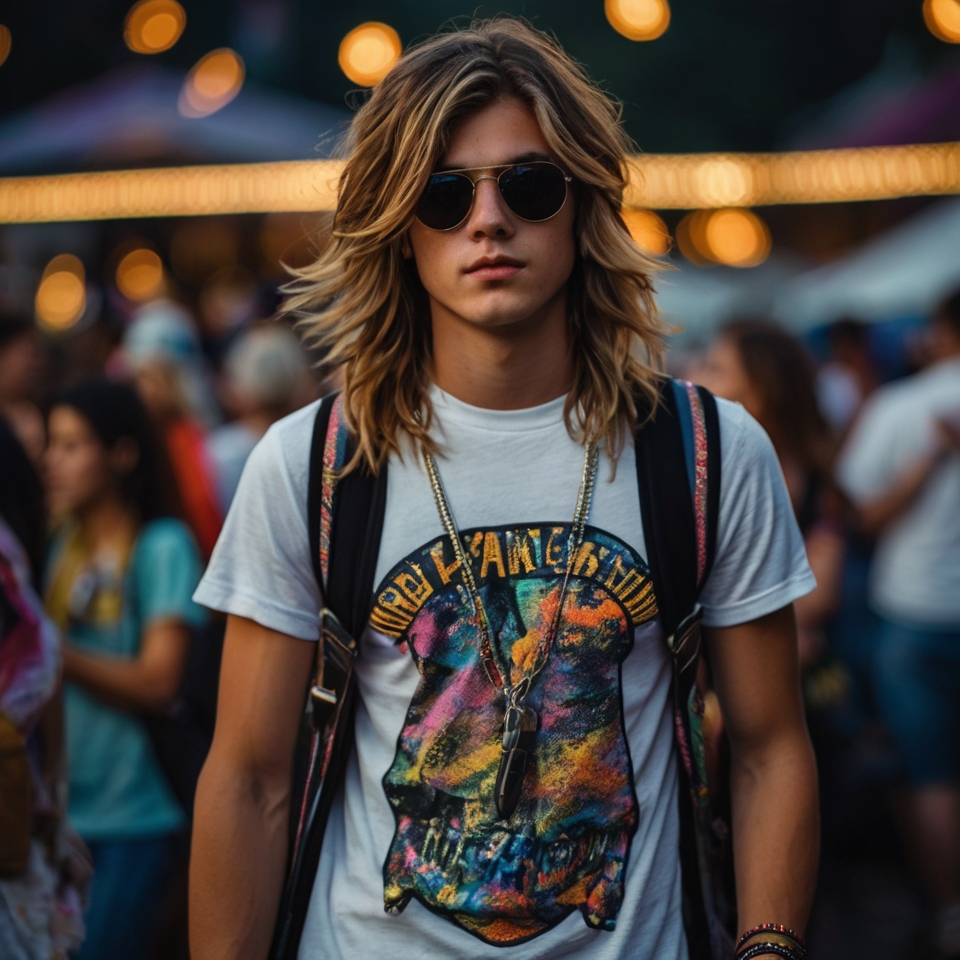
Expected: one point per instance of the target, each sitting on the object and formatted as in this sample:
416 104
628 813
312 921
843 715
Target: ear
125 456
406 251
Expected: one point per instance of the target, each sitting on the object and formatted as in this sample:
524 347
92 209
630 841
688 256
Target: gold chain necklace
520 721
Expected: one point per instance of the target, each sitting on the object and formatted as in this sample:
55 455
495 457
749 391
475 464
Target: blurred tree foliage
725 76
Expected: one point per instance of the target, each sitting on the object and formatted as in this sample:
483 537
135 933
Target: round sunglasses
533 191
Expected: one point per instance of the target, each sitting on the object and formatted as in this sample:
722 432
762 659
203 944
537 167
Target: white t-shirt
916 566
587 866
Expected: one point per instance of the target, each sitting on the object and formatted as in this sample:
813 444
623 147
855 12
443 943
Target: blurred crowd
113 489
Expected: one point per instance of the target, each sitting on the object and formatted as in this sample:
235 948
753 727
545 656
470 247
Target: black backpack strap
345 517
678 474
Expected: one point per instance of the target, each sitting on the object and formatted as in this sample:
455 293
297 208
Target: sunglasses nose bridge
490 207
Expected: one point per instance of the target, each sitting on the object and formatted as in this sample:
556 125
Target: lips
494 268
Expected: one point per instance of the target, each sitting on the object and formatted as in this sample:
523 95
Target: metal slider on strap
334 669
685 641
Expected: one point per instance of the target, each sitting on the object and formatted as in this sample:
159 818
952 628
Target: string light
62 296
212 83
368 52
655 182
140 275
648 230
6 42
638 19
733 236
153 26
942 18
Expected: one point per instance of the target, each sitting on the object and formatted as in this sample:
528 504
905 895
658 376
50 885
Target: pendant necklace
520 722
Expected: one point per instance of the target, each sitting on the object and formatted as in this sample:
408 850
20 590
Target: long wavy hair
361 302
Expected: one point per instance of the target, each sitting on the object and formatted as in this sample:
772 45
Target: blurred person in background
266 375
850 375
760 365
44 866
20 362
119 580
901 467
161 348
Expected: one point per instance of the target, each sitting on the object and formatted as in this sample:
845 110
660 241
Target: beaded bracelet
770 928
765 949
796 950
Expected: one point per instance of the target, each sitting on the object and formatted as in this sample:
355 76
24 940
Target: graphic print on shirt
565 846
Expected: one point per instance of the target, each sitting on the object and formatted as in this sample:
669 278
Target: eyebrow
528 157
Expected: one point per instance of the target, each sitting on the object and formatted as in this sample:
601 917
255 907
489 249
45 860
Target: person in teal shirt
119 582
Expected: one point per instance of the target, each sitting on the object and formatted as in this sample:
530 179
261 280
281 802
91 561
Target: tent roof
129 117
905 272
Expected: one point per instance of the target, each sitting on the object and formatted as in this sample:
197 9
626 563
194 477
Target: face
77 466
724 374
495 269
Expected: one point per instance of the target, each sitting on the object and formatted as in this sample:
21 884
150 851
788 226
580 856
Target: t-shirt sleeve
761 562
261 567
168 568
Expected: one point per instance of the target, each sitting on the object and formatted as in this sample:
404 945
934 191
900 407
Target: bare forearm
878 513
776 834
124 683
236 865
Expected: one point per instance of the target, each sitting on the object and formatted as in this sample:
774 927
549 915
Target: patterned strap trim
699 476
334 452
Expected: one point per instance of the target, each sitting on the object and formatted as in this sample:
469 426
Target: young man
901 467
488 311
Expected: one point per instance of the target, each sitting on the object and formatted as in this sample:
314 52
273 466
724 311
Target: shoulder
743 442
164 536
283 453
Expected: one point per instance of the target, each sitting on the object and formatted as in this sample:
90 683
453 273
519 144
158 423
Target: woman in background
119 583
760 365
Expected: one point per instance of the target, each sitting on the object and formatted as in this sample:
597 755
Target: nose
489 216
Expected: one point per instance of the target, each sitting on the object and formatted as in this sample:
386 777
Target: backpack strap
345 520
678 474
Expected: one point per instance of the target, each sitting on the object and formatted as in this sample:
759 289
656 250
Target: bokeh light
648 230
737 238
153 26
212 83
943 19
62 296
140 275
734 237
368 52
638 19
6 42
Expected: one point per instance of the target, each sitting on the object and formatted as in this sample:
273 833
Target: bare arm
877 513
243 798
147 682
773 775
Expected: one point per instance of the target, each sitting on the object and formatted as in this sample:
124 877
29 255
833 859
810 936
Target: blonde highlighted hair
362 303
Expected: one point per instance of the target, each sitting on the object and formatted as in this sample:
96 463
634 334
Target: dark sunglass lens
535 191
446 201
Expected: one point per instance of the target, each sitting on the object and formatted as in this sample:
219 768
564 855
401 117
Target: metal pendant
519 734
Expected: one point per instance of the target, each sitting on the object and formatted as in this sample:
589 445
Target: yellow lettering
443 570
414 585
392 598
551 560
586 563
476 543
492 555
518 552
616 569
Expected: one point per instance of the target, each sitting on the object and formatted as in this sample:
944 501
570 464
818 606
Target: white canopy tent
903 273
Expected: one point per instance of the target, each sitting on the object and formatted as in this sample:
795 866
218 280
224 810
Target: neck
107 525
509 367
